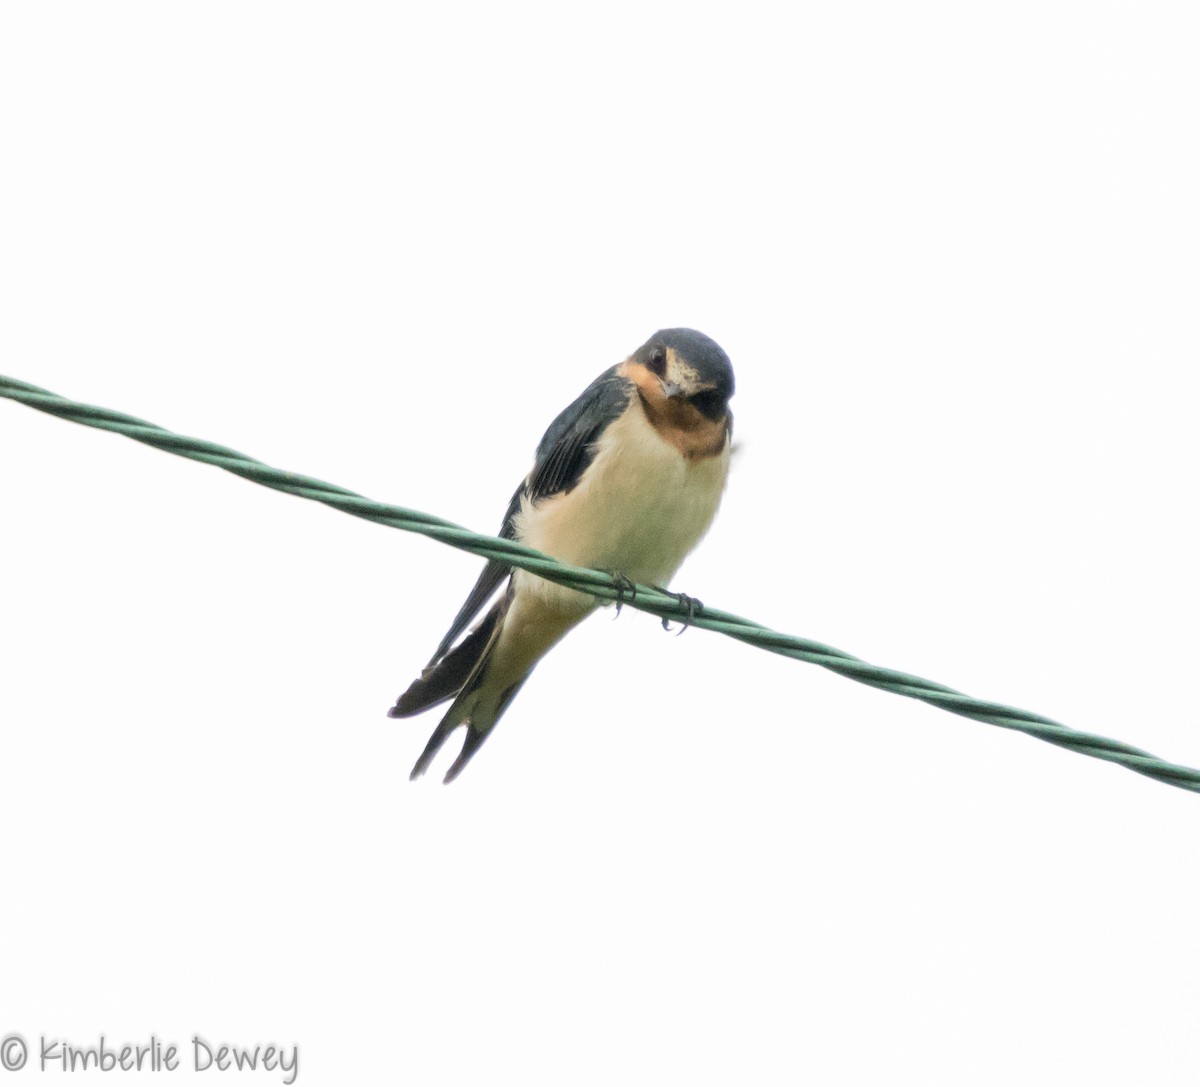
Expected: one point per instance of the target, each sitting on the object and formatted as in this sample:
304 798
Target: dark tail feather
448 725
464 706
474 707
471 744
476 736
446 678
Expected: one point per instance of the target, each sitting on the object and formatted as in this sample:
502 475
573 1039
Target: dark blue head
690 364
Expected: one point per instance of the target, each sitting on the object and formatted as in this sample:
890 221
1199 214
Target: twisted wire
605 587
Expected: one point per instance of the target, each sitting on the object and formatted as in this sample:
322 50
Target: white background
952 251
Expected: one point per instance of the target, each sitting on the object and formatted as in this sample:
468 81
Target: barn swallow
627 479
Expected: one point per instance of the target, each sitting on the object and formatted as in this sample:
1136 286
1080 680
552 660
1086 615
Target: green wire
605 587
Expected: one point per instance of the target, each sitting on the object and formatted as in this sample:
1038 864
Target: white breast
638 510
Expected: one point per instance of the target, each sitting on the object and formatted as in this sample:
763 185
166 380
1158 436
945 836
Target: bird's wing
565 451
567 447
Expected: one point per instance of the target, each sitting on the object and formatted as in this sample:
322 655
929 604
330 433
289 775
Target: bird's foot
624 587
691 608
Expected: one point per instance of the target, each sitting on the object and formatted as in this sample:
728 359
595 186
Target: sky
952 252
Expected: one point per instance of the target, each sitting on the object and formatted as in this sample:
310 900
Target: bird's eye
657 362
710 404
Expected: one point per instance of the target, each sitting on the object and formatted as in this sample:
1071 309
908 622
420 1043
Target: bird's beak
669 388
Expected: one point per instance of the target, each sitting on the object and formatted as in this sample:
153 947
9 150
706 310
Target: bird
627 479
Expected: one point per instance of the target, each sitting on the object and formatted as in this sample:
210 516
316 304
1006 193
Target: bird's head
689 367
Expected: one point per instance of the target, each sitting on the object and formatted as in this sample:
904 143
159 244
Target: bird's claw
623 587
691 607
